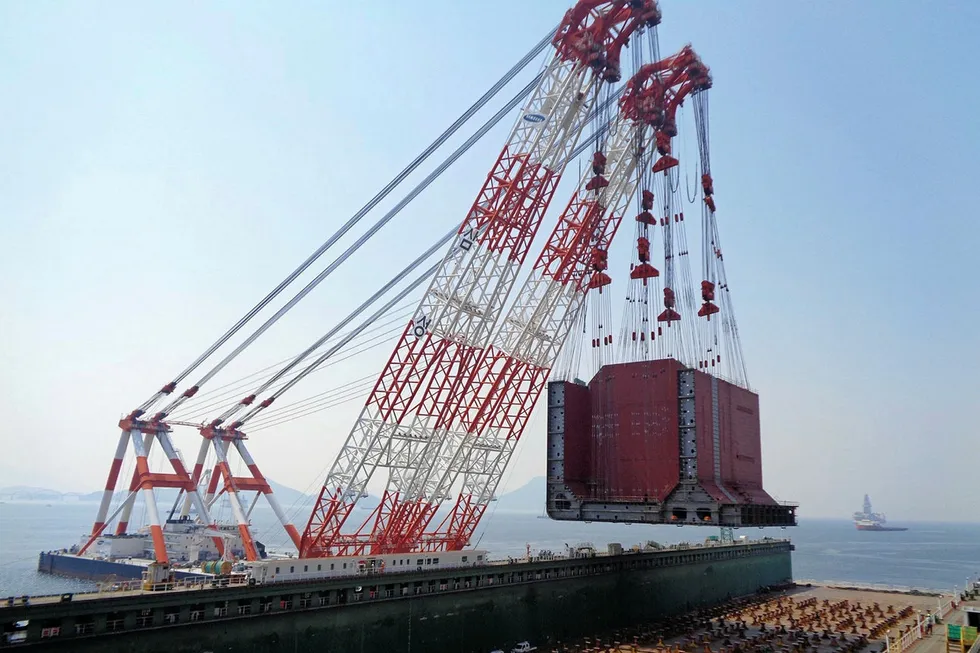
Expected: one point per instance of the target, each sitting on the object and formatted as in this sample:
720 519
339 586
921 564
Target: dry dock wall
544 602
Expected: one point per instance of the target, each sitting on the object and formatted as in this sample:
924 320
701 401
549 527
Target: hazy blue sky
163 166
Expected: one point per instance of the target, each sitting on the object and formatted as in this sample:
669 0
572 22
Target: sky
163 166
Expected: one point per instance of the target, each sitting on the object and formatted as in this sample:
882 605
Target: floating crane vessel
666 432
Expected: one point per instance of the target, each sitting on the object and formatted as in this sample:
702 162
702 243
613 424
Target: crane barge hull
65 564
472 609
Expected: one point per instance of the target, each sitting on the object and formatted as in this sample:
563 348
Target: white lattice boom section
434 362
435 431
513 371
451 403
532 334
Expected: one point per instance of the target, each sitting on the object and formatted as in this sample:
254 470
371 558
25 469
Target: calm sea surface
927 556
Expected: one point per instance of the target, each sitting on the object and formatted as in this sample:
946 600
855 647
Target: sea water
927 556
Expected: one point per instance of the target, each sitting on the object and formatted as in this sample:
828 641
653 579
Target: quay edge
478 610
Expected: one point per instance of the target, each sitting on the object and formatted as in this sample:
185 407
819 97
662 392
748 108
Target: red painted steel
703 420
578 438
625 445
622 438
510 208
739 440
742 443
635 419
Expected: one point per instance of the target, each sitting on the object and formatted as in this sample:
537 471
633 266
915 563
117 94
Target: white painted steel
220 450
147 445
202 512
469 289
202 454
533 332
153 515
269 496
107 494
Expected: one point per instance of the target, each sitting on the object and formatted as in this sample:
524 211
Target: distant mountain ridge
28 493
529 498
286 495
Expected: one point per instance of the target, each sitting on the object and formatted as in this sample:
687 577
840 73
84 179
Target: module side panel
578 438
744 441
709 437
661 437
742 453
635 423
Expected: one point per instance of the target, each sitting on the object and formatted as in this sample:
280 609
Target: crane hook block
665 163
668 316
600 260
707 184
597 182
598 163
599 279
647 200
643 249
707 291
710 202
646 218
708 309
644 271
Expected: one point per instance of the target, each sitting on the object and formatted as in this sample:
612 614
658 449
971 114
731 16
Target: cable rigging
141 435
343 341
443 374
400 177
598 132
219 397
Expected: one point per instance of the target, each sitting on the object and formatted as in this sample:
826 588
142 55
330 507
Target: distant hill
28 493
529 498
287 496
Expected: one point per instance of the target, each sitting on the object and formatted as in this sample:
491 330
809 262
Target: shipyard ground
763 626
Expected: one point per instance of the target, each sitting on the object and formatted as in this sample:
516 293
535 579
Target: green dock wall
477 620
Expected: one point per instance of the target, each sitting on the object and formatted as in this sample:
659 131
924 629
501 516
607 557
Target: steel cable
218 397
377 341
469 113
330 352
425 183
394 281
360 241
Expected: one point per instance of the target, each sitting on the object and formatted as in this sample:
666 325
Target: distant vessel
872 521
